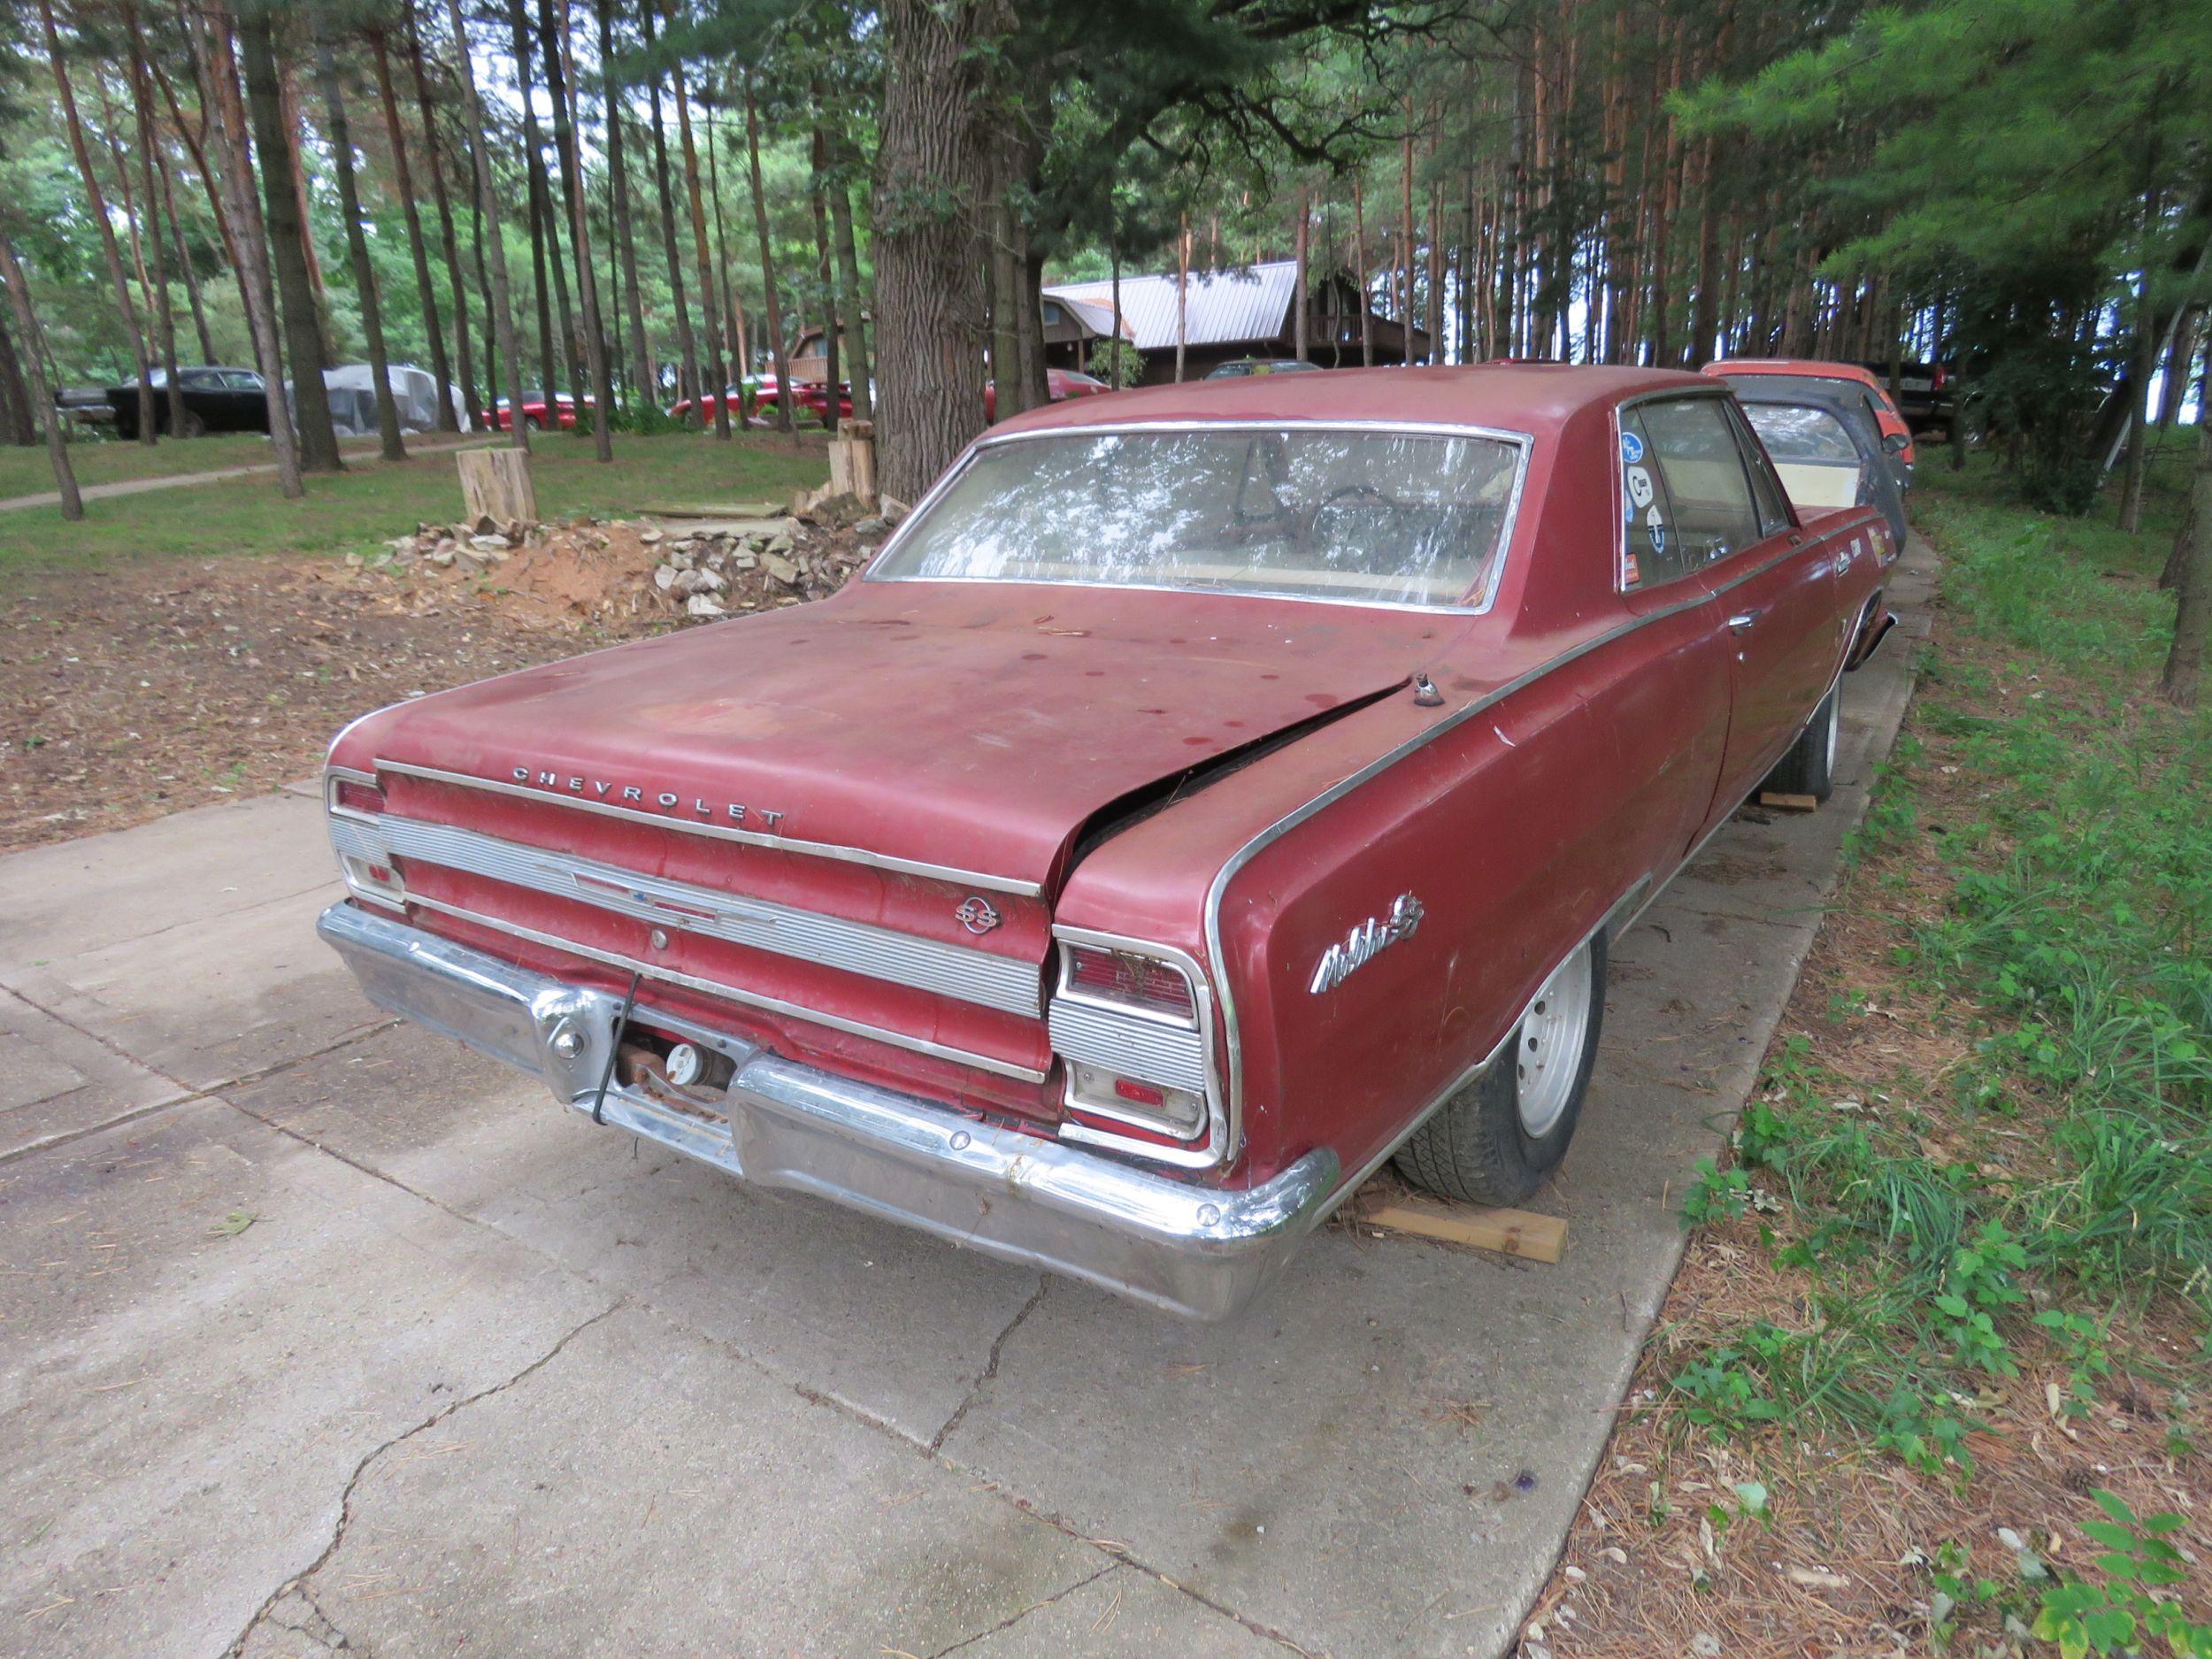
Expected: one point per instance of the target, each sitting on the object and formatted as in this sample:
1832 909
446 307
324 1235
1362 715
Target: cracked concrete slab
647 1492
1122 1614
188 942
207 1327
55 1083
895 1323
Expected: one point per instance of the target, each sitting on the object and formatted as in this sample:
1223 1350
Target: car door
1670 715
1774 584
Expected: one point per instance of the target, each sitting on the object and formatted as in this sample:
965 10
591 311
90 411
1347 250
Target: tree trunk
561 75
928 299
184 258
97 205
303 336
2182 680
403 178
433 153
686 344
356 242
709 306
626 244
214 63
771 304
2145 361
162 310
1182 296
545 239
856 356
584 322
1359 275
27 325
487 206
19 420
1300 344
1009 390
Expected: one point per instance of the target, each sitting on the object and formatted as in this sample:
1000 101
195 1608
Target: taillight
356 796
1178 1113
1938 379
1132 981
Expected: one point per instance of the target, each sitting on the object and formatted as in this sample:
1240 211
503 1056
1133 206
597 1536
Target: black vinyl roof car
216 398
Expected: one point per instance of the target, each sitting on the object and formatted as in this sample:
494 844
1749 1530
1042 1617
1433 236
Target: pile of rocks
639 574
713 567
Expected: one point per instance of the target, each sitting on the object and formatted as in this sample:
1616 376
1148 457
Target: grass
371 502
1964 1235
112 461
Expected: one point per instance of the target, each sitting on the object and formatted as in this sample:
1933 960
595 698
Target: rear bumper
1200 1252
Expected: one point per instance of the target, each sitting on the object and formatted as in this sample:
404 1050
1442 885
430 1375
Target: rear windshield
1306 513
1793 432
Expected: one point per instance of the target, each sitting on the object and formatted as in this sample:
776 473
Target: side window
1702 463
1766 485
1651 553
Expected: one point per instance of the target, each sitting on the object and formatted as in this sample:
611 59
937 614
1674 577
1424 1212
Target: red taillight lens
1940 379
1140 1094
1139 981
356 797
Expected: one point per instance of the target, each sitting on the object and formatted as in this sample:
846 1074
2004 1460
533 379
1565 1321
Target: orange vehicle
1880 403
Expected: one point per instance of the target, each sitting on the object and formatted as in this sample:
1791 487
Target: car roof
1535 398
1812 368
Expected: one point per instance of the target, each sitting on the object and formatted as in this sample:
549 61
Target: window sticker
1631 576
1640 489
1655 523
1631 447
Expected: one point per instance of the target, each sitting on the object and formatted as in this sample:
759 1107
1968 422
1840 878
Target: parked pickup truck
1201 800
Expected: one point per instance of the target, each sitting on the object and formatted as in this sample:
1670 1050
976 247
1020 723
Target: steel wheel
1547 1048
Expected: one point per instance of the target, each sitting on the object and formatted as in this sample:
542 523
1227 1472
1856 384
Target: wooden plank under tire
1511 1231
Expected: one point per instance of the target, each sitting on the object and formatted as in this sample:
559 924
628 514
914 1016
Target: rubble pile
644 574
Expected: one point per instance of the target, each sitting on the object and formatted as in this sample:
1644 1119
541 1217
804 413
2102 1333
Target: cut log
852 461
1789 803
496 484
1509 1232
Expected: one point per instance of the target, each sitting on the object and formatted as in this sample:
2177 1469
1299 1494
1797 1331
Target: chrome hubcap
1547 1048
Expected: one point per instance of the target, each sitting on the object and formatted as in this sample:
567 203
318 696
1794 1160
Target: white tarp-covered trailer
352 389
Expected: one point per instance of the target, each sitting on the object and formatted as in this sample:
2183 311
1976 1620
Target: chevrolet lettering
1210 794
641 795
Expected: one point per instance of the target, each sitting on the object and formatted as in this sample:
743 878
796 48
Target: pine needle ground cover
1932 1377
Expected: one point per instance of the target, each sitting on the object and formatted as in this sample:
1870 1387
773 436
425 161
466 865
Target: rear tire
1809 768
1498 1139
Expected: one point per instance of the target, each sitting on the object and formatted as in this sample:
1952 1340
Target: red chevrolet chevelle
1192 809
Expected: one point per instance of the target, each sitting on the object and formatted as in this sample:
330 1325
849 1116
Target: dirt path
138 486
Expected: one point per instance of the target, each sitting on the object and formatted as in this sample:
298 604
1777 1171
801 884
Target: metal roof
1249 303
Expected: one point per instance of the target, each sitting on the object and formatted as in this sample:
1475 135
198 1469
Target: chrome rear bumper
1196 1251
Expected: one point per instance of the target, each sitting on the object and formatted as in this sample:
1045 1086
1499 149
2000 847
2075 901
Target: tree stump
852 458
496 484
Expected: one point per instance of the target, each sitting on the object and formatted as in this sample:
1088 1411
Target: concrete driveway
317 1334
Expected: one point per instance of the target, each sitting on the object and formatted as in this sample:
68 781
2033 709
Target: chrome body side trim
1190 1250
1005 983
718 832
1493 577
1151 1036
661 975
1291 820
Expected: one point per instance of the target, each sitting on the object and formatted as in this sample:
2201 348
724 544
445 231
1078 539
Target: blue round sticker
1631 447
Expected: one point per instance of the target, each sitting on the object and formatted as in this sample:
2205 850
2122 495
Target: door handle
1744 621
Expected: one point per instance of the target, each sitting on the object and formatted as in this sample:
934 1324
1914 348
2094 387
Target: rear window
1384 517
1793 432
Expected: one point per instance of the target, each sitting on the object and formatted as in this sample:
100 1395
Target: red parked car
1061 384
1190 810
536 412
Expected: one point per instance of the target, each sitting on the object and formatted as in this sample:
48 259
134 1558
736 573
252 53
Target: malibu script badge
640 794
1365 942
